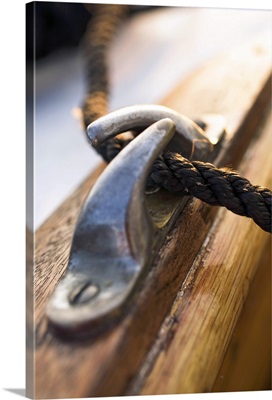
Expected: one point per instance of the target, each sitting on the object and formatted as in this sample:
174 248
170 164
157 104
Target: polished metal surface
120 229
189 137
112 239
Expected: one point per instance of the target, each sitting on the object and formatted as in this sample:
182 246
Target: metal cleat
120 229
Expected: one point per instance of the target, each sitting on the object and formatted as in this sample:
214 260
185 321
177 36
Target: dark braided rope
98 37
105 21
171 171
215 186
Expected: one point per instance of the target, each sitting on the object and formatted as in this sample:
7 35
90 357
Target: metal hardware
120 230
190 138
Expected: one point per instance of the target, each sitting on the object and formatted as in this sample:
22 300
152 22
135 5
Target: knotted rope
171 171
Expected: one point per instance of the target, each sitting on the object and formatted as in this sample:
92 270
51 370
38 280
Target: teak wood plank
105 365
247 364
191 350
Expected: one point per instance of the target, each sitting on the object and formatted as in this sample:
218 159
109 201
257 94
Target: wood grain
206 310
107 364
247 364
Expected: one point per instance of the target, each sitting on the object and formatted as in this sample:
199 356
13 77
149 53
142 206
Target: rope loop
171 171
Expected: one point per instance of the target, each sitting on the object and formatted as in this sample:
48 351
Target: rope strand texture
171 171
98 37
215 186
